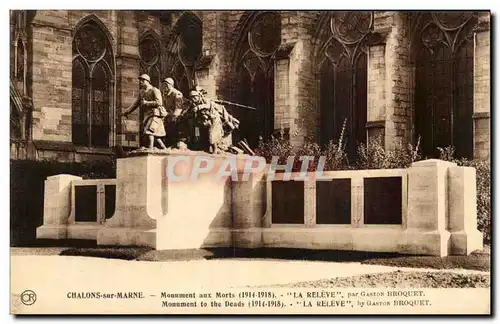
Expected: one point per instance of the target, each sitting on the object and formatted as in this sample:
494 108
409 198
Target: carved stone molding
378 37
481 115
284 51
204 62
482 26
375 124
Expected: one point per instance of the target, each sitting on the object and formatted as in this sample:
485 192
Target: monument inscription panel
288 202
85 203
383 201
333 201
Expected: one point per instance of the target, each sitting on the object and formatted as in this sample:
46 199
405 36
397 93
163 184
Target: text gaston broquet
272 299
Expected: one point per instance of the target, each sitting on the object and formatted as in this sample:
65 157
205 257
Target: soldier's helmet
194 93
169 81
145 77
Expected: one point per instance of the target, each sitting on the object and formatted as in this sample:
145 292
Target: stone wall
389 85
127 69
398 65
482 94
389 107
51 64
51 40
307 110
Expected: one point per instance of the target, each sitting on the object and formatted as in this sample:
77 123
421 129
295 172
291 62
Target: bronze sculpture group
195 123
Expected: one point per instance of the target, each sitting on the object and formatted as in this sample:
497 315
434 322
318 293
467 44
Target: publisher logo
28 297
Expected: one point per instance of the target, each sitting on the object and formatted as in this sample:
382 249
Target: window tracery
255 67
444 59
91 87
343 79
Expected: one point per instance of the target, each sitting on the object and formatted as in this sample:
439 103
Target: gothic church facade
399 76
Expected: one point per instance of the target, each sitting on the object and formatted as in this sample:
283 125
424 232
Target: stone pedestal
426 231
198 204
179 200
249 206
139 202
57 207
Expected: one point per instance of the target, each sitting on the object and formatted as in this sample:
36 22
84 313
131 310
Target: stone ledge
204 62
375 124
481 115
379 37
51 25
94 150
70 147
54 146
391 240
181 152
284 51
128 56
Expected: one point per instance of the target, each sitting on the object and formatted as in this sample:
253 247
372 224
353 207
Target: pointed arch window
255 69
443 55
343 79
92 87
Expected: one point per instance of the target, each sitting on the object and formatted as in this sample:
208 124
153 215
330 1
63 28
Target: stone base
463 243
396 240
374 239
54 232
83 231
249 238
220 237
126 237
434 243
72 232
192 238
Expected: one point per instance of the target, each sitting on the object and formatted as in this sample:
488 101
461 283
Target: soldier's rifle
223 102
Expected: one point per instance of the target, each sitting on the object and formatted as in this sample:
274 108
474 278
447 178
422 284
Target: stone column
56 207
482 104
376 91
295 86
462 222
426 231
213 70
127 71
249 203
282 115
389 80
139 202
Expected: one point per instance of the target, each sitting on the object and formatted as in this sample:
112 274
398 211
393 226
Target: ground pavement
45 271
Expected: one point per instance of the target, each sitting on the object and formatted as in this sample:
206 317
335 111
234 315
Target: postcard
250 162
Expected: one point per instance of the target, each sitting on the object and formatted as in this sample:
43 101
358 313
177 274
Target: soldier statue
150 101
212 125
174 104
